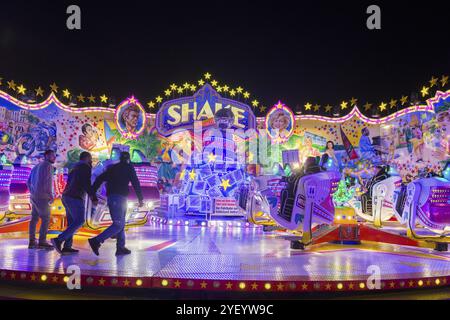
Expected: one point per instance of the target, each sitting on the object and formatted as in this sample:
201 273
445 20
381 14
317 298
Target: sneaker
57 244
123 252
94 246
69 251
32 245
45 246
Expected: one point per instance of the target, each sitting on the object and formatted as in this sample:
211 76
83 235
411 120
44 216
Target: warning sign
226 207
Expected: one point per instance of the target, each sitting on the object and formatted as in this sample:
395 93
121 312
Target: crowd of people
79 186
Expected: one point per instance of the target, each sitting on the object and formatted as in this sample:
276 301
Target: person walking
74 200
117 178
40 185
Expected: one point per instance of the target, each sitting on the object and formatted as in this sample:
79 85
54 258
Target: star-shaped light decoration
91 99
367 106
66 93
328 108
159 99
193 88
226 88
353 102
104 98
151 104
317 107
54 87
192 175
279 105
167 93
39 92
404 100
219 89
383 106
232 92
12 85
201 82
444 81
173 87
246 95
21 89
225 184
425 91
393 103
186 86
132 100
239 90
180 90
344 105
212 158
255 103
262 108
308 106
214 83
207 76
433 82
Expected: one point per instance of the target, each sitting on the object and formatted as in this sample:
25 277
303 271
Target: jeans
40 210
117 209
75 212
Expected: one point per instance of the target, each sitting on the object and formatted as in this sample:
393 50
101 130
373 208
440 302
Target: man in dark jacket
78 185
117 178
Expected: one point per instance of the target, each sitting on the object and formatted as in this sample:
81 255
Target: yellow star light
444 80
173 87
393 103
39 92
219 89
192 175
433 81
240 90
246 95
186 85
367 106
424 91
316 107
214 83
207 76
167 93
404 100
308 106
328 108
21 89
180 90
193 88
232 92
226 88
344 105
151 104
201 82
54 87
212 157
225 184
255 286
104 98
177 284
383 106
91 99
66 93
81 98
229 285
262 108
255 103
353 102
12 85
159 99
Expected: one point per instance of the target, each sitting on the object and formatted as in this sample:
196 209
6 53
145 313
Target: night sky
298 51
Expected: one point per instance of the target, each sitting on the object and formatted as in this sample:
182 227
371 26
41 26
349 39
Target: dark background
297 51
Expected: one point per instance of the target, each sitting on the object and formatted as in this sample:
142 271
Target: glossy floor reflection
226 254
